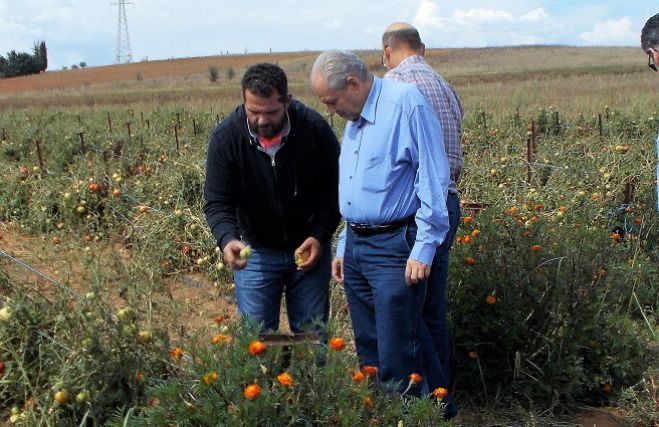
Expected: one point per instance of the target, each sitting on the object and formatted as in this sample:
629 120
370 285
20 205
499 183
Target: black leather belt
371 229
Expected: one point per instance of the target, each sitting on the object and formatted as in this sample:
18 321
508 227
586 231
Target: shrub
213 73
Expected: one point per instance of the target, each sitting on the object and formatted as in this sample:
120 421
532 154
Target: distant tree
83 64
40 55
213 73
43 54
22 63
230 73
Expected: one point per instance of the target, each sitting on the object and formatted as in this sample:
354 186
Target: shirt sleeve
327 216
220 193
341 244
431 184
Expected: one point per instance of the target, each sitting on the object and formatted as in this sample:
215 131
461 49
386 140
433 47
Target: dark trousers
385 311
434 309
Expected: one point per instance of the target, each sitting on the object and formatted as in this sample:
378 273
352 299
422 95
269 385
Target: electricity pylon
124 52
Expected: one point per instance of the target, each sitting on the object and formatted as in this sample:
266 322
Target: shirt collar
370 107
414 59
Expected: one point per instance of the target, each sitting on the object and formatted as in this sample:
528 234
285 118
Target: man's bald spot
398 26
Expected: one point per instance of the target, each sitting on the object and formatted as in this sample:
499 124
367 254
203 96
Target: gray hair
650 33
337 65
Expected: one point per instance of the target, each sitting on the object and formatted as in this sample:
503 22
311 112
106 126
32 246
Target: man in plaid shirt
403 56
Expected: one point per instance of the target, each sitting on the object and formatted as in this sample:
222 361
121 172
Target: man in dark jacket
272 185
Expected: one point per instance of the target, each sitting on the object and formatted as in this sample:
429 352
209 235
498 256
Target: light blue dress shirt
393 165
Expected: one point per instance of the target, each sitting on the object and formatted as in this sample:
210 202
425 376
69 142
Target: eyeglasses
651 62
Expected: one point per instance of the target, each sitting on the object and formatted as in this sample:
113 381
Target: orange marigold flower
219 339
252 391
415 378
513 211
536 248
139 377
369 371
210 377
616 236
176 353
337 344
285 379
358 376
468 220
459 239
473 354
538 206
257 347
491 299
466 239
368 401
476 233
470 261
440 392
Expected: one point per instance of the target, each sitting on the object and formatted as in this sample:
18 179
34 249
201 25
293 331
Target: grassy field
111 288
496 79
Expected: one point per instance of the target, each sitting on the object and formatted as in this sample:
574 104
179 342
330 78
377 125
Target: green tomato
246 252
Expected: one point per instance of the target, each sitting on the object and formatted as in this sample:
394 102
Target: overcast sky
86 30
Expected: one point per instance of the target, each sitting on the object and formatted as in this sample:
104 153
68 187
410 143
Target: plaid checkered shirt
444 101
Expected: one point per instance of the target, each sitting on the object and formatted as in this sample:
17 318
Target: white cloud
333 25
620 32
484 26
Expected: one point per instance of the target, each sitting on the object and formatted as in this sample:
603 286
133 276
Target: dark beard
267 131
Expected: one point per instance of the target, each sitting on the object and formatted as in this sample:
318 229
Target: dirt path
188 301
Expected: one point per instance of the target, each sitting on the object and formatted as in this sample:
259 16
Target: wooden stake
530 150
83 149
599 126
178 120
148 124
40 157
177 144
557 123
142 117
217 118
630 188
109 123
194 127
128 127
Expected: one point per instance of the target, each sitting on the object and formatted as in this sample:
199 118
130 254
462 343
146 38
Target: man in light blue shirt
393 182
650 45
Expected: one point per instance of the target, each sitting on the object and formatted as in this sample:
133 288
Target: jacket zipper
273 163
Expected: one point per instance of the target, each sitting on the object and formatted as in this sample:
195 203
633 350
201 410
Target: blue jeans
385 311
270 273
434 310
